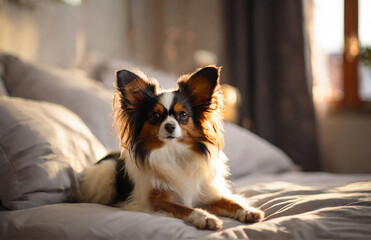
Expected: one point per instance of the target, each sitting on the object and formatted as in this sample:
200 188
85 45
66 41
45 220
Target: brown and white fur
171 159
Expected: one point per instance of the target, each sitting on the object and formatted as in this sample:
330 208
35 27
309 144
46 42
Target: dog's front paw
204 220
250 215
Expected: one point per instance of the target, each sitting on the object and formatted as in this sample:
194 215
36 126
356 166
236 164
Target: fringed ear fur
133 91
133 88
204 90
200 84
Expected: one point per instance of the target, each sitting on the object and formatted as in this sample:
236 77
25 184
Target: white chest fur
190 178
180 171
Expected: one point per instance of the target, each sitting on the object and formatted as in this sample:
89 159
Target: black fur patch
141 153
124 186
202 149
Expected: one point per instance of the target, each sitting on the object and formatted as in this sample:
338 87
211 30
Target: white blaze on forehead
167 99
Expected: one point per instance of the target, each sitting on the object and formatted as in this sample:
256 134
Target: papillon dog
171 158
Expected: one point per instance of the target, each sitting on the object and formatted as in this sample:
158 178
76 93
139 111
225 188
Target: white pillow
249 153
43 148
3 91
82 95
101 67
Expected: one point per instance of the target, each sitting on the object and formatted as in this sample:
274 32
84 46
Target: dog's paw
204 220
250 215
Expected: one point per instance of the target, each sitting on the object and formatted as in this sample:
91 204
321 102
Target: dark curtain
266 61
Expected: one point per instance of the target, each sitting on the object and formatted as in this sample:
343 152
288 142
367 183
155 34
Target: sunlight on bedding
355 187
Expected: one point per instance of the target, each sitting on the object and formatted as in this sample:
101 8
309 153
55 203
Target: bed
55 123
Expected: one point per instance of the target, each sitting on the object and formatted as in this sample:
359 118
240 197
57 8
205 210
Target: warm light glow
73 2
352 48
327 48
328 25
232 96
326 94
203 57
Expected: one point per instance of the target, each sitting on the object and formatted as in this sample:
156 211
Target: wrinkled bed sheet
297 205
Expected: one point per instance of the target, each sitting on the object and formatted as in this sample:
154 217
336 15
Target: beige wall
162 33
59 34
345 140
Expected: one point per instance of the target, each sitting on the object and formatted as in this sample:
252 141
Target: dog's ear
201 84
203 89
124 77
134 89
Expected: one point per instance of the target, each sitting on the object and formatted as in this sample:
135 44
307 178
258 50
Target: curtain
266 60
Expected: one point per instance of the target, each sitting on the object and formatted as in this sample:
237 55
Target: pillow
3 91
249 153
82 95
100 67
43 148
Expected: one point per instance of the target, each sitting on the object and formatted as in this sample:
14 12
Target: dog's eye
183 117
154 118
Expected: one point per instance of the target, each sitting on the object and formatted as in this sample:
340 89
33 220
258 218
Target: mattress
297 205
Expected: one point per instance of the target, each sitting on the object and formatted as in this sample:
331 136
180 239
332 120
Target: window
341 53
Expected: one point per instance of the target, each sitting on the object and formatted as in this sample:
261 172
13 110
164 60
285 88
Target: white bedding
297 205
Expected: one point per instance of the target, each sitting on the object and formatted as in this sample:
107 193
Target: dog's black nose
170 127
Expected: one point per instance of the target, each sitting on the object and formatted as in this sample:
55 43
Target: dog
171 159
